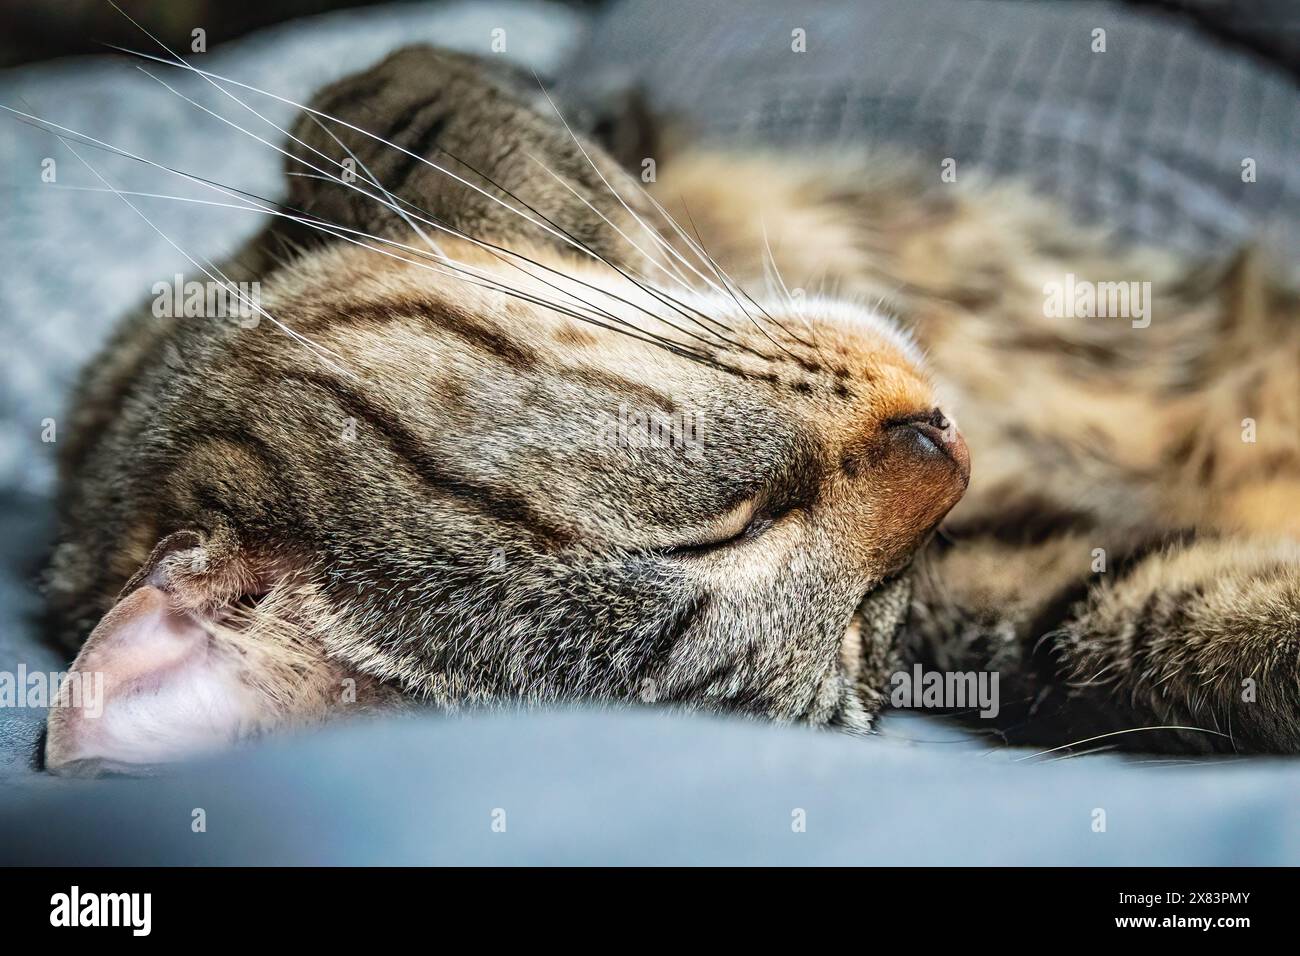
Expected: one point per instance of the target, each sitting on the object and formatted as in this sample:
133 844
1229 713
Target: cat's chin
870 649
882 612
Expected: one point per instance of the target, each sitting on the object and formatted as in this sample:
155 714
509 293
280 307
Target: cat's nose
936 433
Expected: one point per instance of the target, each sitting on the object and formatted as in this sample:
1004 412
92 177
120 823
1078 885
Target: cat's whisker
671 259
770 259
499 251
215 85
628 239
776 270
340 181
697 245
461 274
1107 748
1117 733
681 233
780 325
557 233
476 277
649 289
335 179
51 127
673 303
731 283
717 269
484 279
148 195
268 208
705 258
371 177
320 350
330 229
210 77
614 192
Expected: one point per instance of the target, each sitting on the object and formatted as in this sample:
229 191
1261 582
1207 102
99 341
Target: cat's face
562 510
527 464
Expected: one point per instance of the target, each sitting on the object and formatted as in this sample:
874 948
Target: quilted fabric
1147 137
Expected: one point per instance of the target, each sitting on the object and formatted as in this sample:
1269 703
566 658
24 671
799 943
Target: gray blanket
1147 137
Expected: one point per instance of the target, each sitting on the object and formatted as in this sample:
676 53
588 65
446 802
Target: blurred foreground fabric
647 788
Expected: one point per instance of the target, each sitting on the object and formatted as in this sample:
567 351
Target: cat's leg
1201 633
1205 635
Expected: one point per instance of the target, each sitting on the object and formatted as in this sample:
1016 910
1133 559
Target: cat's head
549 452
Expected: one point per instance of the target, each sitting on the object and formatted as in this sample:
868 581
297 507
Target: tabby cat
514 427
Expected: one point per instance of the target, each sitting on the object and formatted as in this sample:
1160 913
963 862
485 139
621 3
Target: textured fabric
1148 137
25 526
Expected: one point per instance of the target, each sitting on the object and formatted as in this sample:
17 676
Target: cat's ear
149 685
456 140
165 673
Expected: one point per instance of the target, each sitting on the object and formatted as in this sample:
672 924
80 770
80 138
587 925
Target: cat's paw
1205 636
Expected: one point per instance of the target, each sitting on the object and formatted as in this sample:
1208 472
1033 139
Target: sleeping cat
514 427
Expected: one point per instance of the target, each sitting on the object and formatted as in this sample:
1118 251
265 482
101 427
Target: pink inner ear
153 688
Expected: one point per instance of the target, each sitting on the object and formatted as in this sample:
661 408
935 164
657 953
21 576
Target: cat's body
440 494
